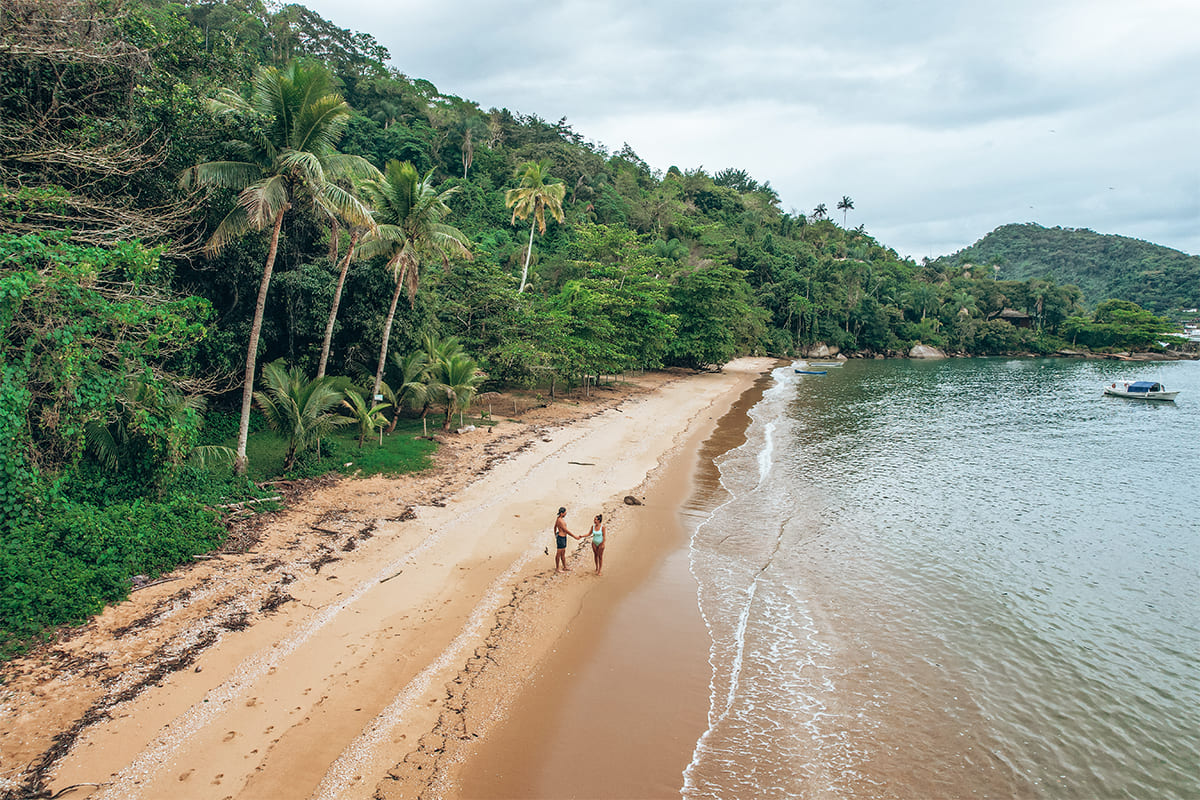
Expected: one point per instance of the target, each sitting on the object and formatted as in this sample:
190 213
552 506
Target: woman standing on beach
560 542
598 534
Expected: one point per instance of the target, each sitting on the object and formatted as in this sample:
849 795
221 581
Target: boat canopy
1145 386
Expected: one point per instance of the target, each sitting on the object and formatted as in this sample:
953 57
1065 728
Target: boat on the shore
810 372
1140 390
826 366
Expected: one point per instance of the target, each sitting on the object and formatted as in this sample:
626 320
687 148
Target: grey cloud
943 119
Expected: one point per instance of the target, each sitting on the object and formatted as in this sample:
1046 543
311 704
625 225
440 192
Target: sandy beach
370 638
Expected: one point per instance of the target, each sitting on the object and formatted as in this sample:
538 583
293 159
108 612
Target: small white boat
822 365
1140 390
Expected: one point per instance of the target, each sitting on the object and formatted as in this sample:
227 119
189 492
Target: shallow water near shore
971 578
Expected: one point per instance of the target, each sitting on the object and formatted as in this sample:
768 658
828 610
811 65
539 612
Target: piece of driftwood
254 502
147 586
62 792
389 577
582 463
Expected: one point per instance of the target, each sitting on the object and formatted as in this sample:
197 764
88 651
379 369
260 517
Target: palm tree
534 196
456 380
845 205
819 212
365 415
438 349
356 233
293 157
435 351
414 369
297 409
966 303
921 299
149 417
409 213
673 250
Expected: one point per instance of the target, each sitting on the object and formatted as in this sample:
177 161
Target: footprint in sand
184 776
229 737
217 780
252 702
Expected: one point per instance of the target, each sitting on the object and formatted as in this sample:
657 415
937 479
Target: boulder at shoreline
925 351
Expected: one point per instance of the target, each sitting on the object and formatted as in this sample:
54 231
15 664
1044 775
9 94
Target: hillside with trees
223 222
1103 266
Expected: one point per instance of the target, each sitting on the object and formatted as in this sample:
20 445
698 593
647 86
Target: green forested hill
1103 266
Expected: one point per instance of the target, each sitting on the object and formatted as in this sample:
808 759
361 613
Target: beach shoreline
615 709
313 663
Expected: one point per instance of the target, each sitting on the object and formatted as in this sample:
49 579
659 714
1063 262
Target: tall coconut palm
534 196
845 205
820 212
356 233
297 409
409 214
292 157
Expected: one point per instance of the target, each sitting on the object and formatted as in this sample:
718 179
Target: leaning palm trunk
239 462
387 333
337 299
528 254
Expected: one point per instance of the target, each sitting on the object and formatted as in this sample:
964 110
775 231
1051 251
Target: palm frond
320 123
264 199
222 174
343 166
228 101
235 225
102 444
209 455
347 205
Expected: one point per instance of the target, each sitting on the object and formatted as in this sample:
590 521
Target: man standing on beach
560 542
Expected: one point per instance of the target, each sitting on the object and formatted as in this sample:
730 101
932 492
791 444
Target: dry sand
370 636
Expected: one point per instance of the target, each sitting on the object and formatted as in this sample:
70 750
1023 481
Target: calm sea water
964 578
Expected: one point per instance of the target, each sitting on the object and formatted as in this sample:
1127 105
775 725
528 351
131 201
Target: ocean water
962 578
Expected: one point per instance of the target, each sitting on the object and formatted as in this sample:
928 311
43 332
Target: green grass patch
402 452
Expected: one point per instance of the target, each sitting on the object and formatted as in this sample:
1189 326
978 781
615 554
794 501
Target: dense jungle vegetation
220 220
1102 265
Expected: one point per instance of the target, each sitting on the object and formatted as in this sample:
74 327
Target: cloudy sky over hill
942 119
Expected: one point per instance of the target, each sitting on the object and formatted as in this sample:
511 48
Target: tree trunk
240 460
528 253
387 332
337 299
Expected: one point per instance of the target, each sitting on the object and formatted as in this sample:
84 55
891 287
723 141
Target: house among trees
1018 319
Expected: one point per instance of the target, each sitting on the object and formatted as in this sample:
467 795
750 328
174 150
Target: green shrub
67 564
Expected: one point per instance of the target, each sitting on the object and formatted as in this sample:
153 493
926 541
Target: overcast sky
941 119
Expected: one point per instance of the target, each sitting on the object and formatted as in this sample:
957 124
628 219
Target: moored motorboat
810 372
1140 390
